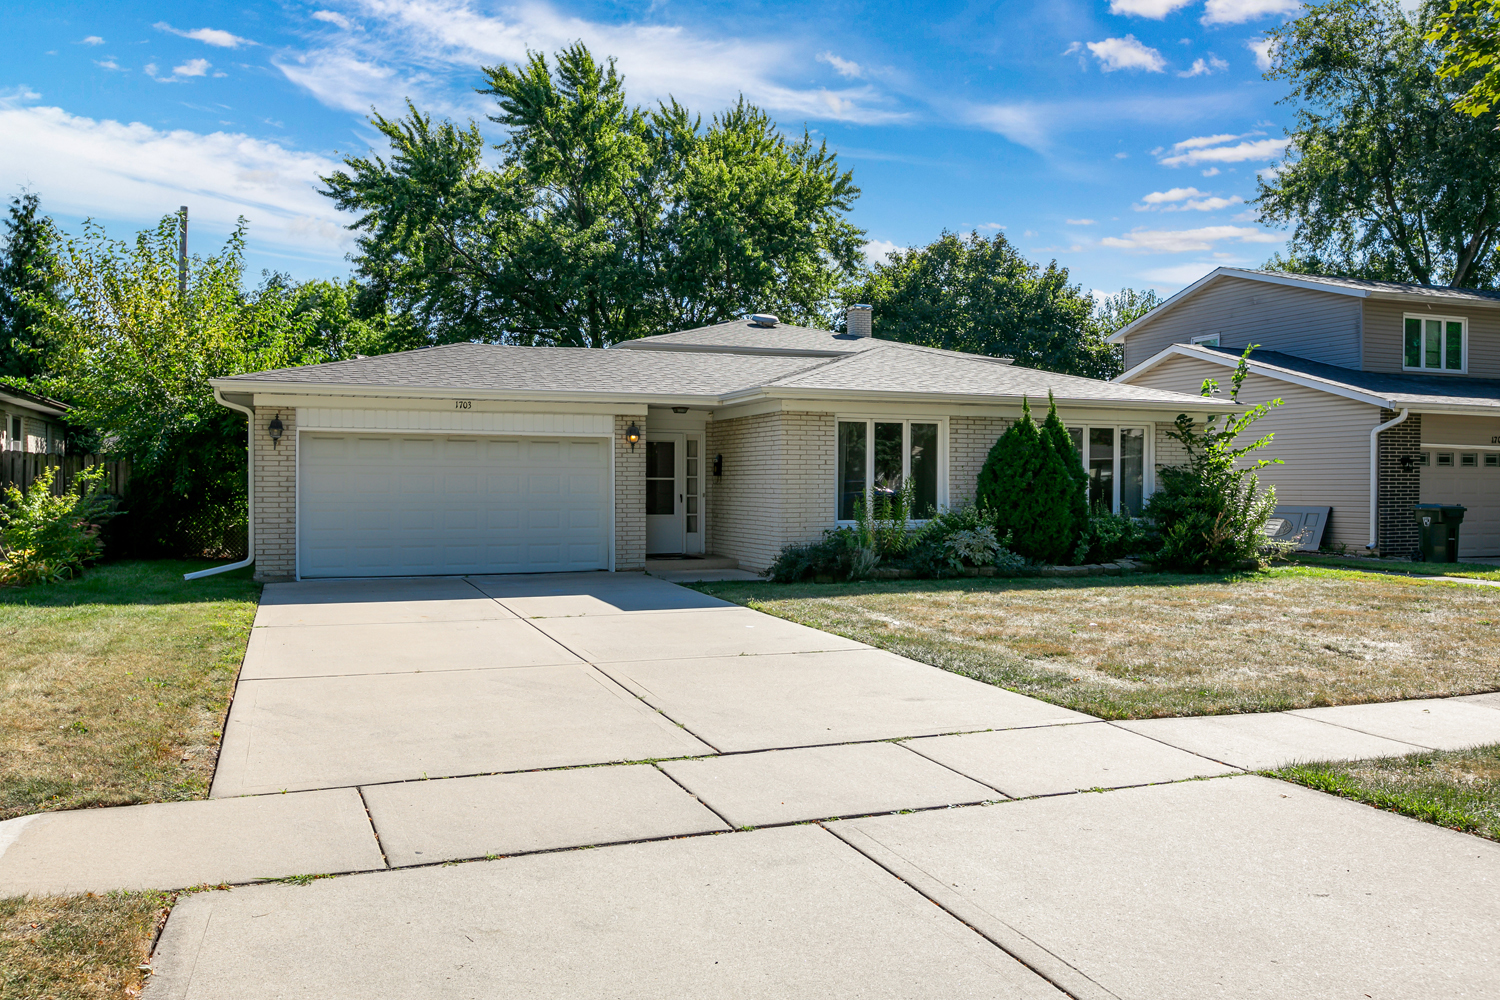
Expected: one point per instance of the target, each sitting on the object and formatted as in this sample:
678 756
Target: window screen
661 477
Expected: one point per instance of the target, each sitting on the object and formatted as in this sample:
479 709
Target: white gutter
1375 471
250 494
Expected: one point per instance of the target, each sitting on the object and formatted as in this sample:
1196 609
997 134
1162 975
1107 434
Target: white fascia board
1256 368
976 399
376 392
1454 409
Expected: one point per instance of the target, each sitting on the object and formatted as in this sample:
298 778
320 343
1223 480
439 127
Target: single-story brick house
30 423
1391 393
731 440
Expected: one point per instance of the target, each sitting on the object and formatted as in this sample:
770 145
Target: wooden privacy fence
22 468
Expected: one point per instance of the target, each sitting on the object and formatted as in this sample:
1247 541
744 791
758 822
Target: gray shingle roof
1403 390
743 336
1390 287
545 369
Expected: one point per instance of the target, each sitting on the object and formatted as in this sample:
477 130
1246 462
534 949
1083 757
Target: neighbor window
876 457
1436 343
1207 340
16 441
1115 459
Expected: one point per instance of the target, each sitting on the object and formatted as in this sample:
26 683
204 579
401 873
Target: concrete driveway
777 812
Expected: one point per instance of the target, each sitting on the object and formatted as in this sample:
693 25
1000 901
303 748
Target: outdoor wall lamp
632 434
718 466
679 409
275 429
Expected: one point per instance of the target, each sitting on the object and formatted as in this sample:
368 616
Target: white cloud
876 251
1154 9
1180 274
1080 222
1023 124
1240 11
1201 68
334 18
208 36
106 64
1208 204
1122 156
1265 51
1198 142
992 226
193 67
1182 240
136 173
1185 200
1249 215
1256 149
1211 172
408 46
92 40
843 67
1175 194
1126 53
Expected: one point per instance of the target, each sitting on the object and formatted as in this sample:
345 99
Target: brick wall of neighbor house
275 496
630 497
1399 487
969 442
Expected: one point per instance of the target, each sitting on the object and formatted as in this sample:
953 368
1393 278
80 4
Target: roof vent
763 319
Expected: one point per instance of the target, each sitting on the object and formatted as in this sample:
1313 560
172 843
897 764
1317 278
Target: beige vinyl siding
1319 326
1385 326
1323 439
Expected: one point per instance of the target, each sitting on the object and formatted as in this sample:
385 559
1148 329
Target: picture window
1116 464
1435 343
875 459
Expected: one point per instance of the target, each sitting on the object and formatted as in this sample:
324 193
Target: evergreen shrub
1029 482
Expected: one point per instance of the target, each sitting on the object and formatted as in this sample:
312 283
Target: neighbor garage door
415 504
1473 479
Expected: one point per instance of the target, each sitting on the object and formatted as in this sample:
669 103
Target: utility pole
182 254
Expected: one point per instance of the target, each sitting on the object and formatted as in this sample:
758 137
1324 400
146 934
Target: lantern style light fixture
633 435
275 429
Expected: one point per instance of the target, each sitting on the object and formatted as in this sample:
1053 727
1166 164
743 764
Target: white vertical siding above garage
1322 439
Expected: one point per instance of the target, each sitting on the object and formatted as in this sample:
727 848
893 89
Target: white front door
665 455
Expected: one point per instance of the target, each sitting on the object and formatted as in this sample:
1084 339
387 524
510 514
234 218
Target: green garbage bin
1437 529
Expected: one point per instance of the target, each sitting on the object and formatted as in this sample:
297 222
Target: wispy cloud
208 36
88 167
876 251
843 67
334 18
1203 68
1188 199
1175 194
193 67
1215 149
1183 240
92 40
1154 9
107 64
1265 52
1126 53
1080 222
1240 11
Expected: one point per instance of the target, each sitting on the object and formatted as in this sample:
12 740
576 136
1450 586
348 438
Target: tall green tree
980 295
601 221
1113 312
1468 32
25 282
1384 179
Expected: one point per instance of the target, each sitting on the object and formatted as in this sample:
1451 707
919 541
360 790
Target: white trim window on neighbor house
1436 343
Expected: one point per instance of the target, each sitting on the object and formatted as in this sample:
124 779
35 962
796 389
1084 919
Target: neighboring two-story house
1391 393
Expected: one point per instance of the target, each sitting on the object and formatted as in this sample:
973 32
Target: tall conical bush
1062 442
1029 482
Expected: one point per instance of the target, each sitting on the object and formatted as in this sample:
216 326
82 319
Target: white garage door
1472 481
417 504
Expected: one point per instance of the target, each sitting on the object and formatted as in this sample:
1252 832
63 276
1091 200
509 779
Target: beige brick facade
777 487
1169 451
969 442
275 496
630 497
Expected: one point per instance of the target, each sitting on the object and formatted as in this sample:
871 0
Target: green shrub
837 554
1055 434
1211 513
43 538
1028 480
1109 536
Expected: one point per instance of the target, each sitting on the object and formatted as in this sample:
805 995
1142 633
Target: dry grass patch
1459 789
114 687
1161 645
83 947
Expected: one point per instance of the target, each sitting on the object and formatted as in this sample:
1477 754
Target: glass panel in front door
661 477
691 493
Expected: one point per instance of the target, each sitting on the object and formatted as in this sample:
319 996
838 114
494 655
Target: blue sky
1121 138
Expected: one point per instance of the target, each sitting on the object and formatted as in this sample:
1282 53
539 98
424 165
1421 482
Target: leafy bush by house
1109 536
43 538
1028 482
837 554
1212 512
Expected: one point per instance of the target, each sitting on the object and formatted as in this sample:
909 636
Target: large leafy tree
1469 33
25 281
601 221
980 295
1384 178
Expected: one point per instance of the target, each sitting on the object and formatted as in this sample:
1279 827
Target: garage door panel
1478 489
389 505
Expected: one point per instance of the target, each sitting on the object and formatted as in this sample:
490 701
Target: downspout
1375 472
250 494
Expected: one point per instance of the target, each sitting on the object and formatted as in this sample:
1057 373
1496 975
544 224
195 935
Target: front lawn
83 947
1476 571
114 687
1459 789
1147 645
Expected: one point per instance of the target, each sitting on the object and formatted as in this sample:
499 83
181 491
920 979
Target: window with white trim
1207 340
877 455
1115 458
1435 343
